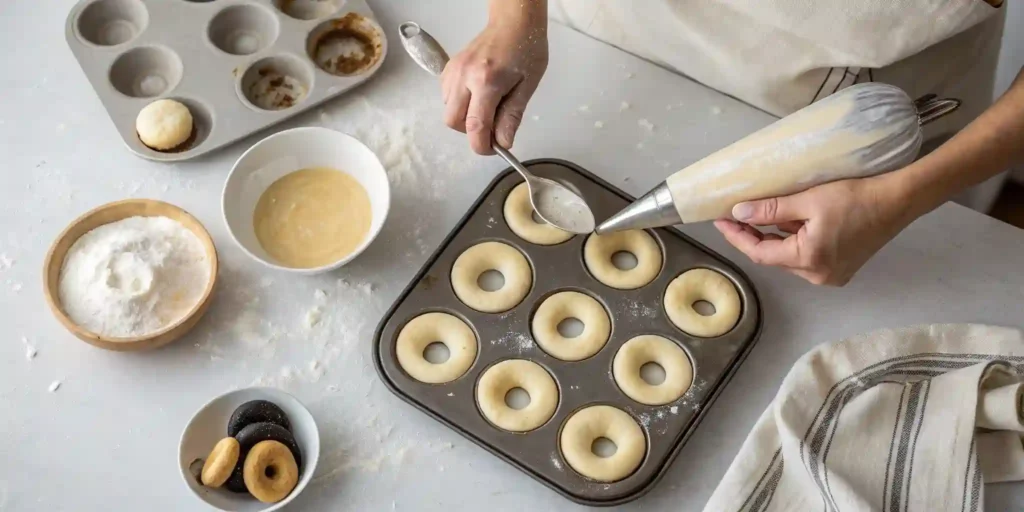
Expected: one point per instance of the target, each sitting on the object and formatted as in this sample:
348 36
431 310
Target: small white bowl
289 151
210 425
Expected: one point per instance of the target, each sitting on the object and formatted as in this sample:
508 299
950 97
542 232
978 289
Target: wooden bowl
113 212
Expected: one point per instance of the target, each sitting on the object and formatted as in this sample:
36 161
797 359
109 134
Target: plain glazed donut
597 326
652 349
491 256
598 251
270 471
586 425
707 285
501 378
436 327
519 216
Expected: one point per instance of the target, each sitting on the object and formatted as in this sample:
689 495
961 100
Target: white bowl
210 425
288 151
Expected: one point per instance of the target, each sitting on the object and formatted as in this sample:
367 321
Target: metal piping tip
654 209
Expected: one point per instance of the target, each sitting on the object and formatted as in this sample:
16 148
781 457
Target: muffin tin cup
134 52
588 382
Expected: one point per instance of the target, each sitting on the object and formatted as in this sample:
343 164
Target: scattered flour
584 108
629 76
535 118
623 106
5 261
639 309
716 110
451 394
313 317
598 124
517 342
673 410
646 125
320 295
30 351
639 145
555 462
54 386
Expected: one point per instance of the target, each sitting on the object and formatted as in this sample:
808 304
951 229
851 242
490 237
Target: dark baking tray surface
507 335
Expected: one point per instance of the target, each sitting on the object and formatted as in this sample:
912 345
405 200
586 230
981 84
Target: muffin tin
587 382
238 65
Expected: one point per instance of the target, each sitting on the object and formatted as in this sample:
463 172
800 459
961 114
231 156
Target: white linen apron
781 55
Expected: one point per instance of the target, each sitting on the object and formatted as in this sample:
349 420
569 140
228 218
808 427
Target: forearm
992 143
531 13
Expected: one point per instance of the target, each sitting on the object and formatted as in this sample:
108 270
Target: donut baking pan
238 65
581 383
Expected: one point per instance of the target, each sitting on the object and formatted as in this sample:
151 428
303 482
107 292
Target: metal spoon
554 203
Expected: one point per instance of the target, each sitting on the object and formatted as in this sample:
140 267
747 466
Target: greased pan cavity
588 382
239 65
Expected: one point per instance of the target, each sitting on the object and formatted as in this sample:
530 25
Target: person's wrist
910 192
525 16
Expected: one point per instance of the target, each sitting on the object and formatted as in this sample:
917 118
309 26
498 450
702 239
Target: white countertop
107 439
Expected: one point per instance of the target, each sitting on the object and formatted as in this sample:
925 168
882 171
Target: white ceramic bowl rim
370 237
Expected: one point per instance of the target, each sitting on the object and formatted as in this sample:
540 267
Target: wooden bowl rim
126 343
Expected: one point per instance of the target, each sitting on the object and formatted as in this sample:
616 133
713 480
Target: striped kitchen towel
910 420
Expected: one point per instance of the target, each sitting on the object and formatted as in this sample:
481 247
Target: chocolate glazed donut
257 411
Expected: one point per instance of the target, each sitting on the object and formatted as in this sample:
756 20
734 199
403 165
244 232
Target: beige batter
597 326
507 375
652 349
312 217
707 285
491 256
585 426
428 328
599 249
519 217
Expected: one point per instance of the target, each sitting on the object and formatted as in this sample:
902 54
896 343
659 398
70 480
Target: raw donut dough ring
598 251
586 425
491 256
707 285
645 349
164 124
436 327
597 326
501 378
518 213
271 472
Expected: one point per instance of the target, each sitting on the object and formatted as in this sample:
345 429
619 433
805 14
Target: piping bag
861 131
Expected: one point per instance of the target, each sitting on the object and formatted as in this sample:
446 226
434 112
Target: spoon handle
430 55
512 160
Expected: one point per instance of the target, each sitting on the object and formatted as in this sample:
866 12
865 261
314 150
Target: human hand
487 85
831 230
